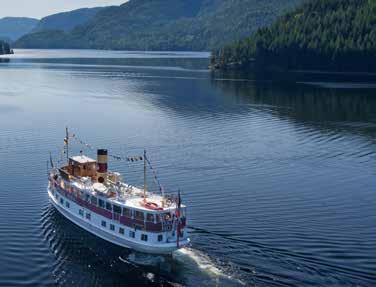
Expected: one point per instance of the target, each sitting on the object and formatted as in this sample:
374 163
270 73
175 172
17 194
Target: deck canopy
81 159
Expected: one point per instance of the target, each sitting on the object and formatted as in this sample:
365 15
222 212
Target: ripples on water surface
280 179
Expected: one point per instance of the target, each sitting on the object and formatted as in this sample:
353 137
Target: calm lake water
279 178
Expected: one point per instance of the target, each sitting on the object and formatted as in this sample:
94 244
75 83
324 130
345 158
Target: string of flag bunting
155 175
116 157
73 136
89 146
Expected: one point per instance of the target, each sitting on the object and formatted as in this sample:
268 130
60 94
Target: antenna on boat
47 169
145 184
51 161
178 216
66 141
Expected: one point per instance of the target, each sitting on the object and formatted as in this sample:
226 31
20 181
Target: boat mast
145 184
67 142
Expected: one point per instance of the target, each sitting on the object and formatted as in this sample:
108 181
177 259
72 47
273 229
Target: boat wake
198 261
189 265
202 261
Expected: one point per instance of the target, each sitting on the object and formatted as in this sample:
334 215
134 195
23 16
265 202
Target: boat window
160 237
103 223
112 227
101 203
139 215
158 218
67 204
117 209
131 234
61 201
144 237
94 200
121 230
88 216
87 197
150 217
81 212
127 212
108 206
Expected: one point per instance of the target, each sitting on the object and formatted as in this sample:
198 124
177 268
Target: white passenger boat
97 200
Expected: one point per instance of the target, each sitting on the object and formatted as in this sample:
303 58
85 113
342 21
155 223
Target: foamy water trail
195 258
189 261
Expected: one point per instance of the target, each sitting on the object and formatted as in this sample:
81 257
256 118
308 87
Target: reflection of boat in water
97 200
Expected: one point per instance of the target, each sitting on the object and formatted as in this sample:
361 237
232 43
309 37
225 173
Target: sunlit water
279 179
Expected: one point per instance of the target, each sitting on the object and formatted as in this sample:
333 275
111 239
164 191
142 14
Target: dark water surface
279 179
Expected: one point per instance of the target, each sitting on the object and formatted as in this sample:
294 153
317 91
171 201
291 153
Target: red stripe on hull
127 221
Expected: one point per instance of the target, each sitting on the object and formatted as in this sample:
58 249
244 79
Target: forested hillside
66 21
335 35
12 28
165 25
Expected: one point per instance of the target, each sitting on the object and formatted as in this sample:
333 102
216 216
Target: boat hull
71 214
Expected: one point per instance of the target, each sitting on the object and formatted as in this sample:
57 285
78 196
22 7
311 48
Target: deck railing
70 193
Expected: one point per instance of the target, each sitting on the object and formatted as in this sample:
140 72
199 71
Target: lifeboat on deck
151 205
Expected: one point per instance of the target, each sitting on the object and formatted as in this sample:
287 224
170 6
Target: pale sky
42 8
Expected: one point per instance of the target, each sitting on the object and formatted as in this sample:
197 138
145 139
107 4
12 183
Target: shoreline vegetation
323 35
5 48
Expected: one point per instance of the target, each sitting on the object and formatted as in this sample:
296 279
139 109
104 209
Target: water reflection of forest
306 102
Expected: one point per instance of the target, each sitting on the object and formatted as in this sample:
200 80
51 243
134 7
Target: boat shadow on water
77 250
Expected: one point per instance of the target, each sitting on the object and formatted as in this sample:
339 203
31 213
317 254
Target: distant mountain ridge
165 25
12 28
66 21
